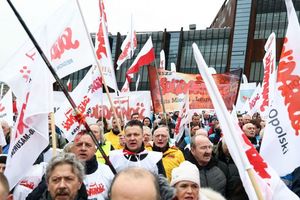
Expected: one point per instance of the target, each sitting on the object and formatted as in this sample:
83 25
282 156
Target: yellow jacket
171 159
114 139
106 148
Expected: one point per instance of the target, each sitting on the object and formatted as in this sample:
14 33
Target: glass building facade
235 39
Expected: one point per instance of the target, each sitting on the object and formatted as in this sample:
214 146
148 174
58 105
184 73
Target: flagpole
238 89
101 72
79 117
214 91
119 102
53 133
160 92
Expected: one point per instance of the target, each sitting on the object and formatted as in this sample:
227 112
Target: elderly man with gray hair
64 178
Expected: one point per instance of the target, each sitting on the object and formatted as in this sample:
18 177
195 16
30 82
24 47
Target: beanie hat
185 172
3 158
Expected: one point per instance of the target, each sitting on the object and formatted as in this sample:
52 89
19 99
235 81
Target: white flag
241 150
183 118
68 43
103 51
281 141
253 103
162 63
128 46
269 79
173 67
31 84
86 95
126 86
6 108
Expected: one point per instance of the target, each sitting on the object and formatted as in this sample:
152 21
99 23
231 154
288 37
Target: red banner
175 86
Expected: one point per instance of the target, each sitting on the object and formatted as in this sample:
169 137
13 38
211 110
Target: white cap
185 172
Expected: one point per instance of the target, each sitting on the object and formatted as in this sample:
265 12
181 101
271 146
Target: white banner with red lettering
86 95
126 104
281 141
6 108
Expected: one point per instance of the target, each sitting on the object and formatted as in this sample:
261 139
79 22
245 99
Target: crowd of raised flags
67 45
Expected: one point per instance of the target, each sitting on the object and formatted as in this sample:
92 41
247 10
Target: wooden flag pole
222 113
79 116
53 134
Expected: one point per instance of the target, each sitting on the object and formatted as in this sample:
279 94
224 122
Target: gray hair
66 158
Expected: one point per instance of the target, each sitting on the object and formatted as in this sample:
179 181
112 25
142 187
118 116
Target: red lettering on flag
265 91
289 86
21 124
256 160
64 42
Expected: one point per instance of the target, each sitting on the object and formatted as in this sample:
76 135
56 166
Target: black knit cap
3 158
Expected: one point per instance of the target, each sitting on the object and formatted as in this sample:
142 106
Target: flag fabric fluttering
162 63
245 156
87 96
126 87
6 108
145 57
281 139
64 41
137 82
128 46
269 79
29 79
252 105
183 119
67 44
103 51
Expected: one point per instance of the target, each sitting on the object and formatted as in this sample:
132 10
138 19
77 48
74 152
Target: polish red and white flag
145 57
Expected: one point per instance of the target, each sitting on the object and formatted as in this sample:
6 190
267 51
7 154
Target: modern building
235 39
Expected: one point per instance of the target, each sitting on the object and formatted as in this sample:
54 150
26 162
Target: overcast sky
148 15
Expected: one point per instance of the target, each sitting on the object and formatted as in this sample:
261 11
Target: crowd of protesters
149 163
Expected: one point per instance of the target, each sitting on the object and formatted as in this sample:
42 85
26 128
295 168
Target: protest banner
175 85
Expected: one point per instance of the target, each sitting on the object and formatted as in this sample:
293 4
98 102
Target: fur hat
185 172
